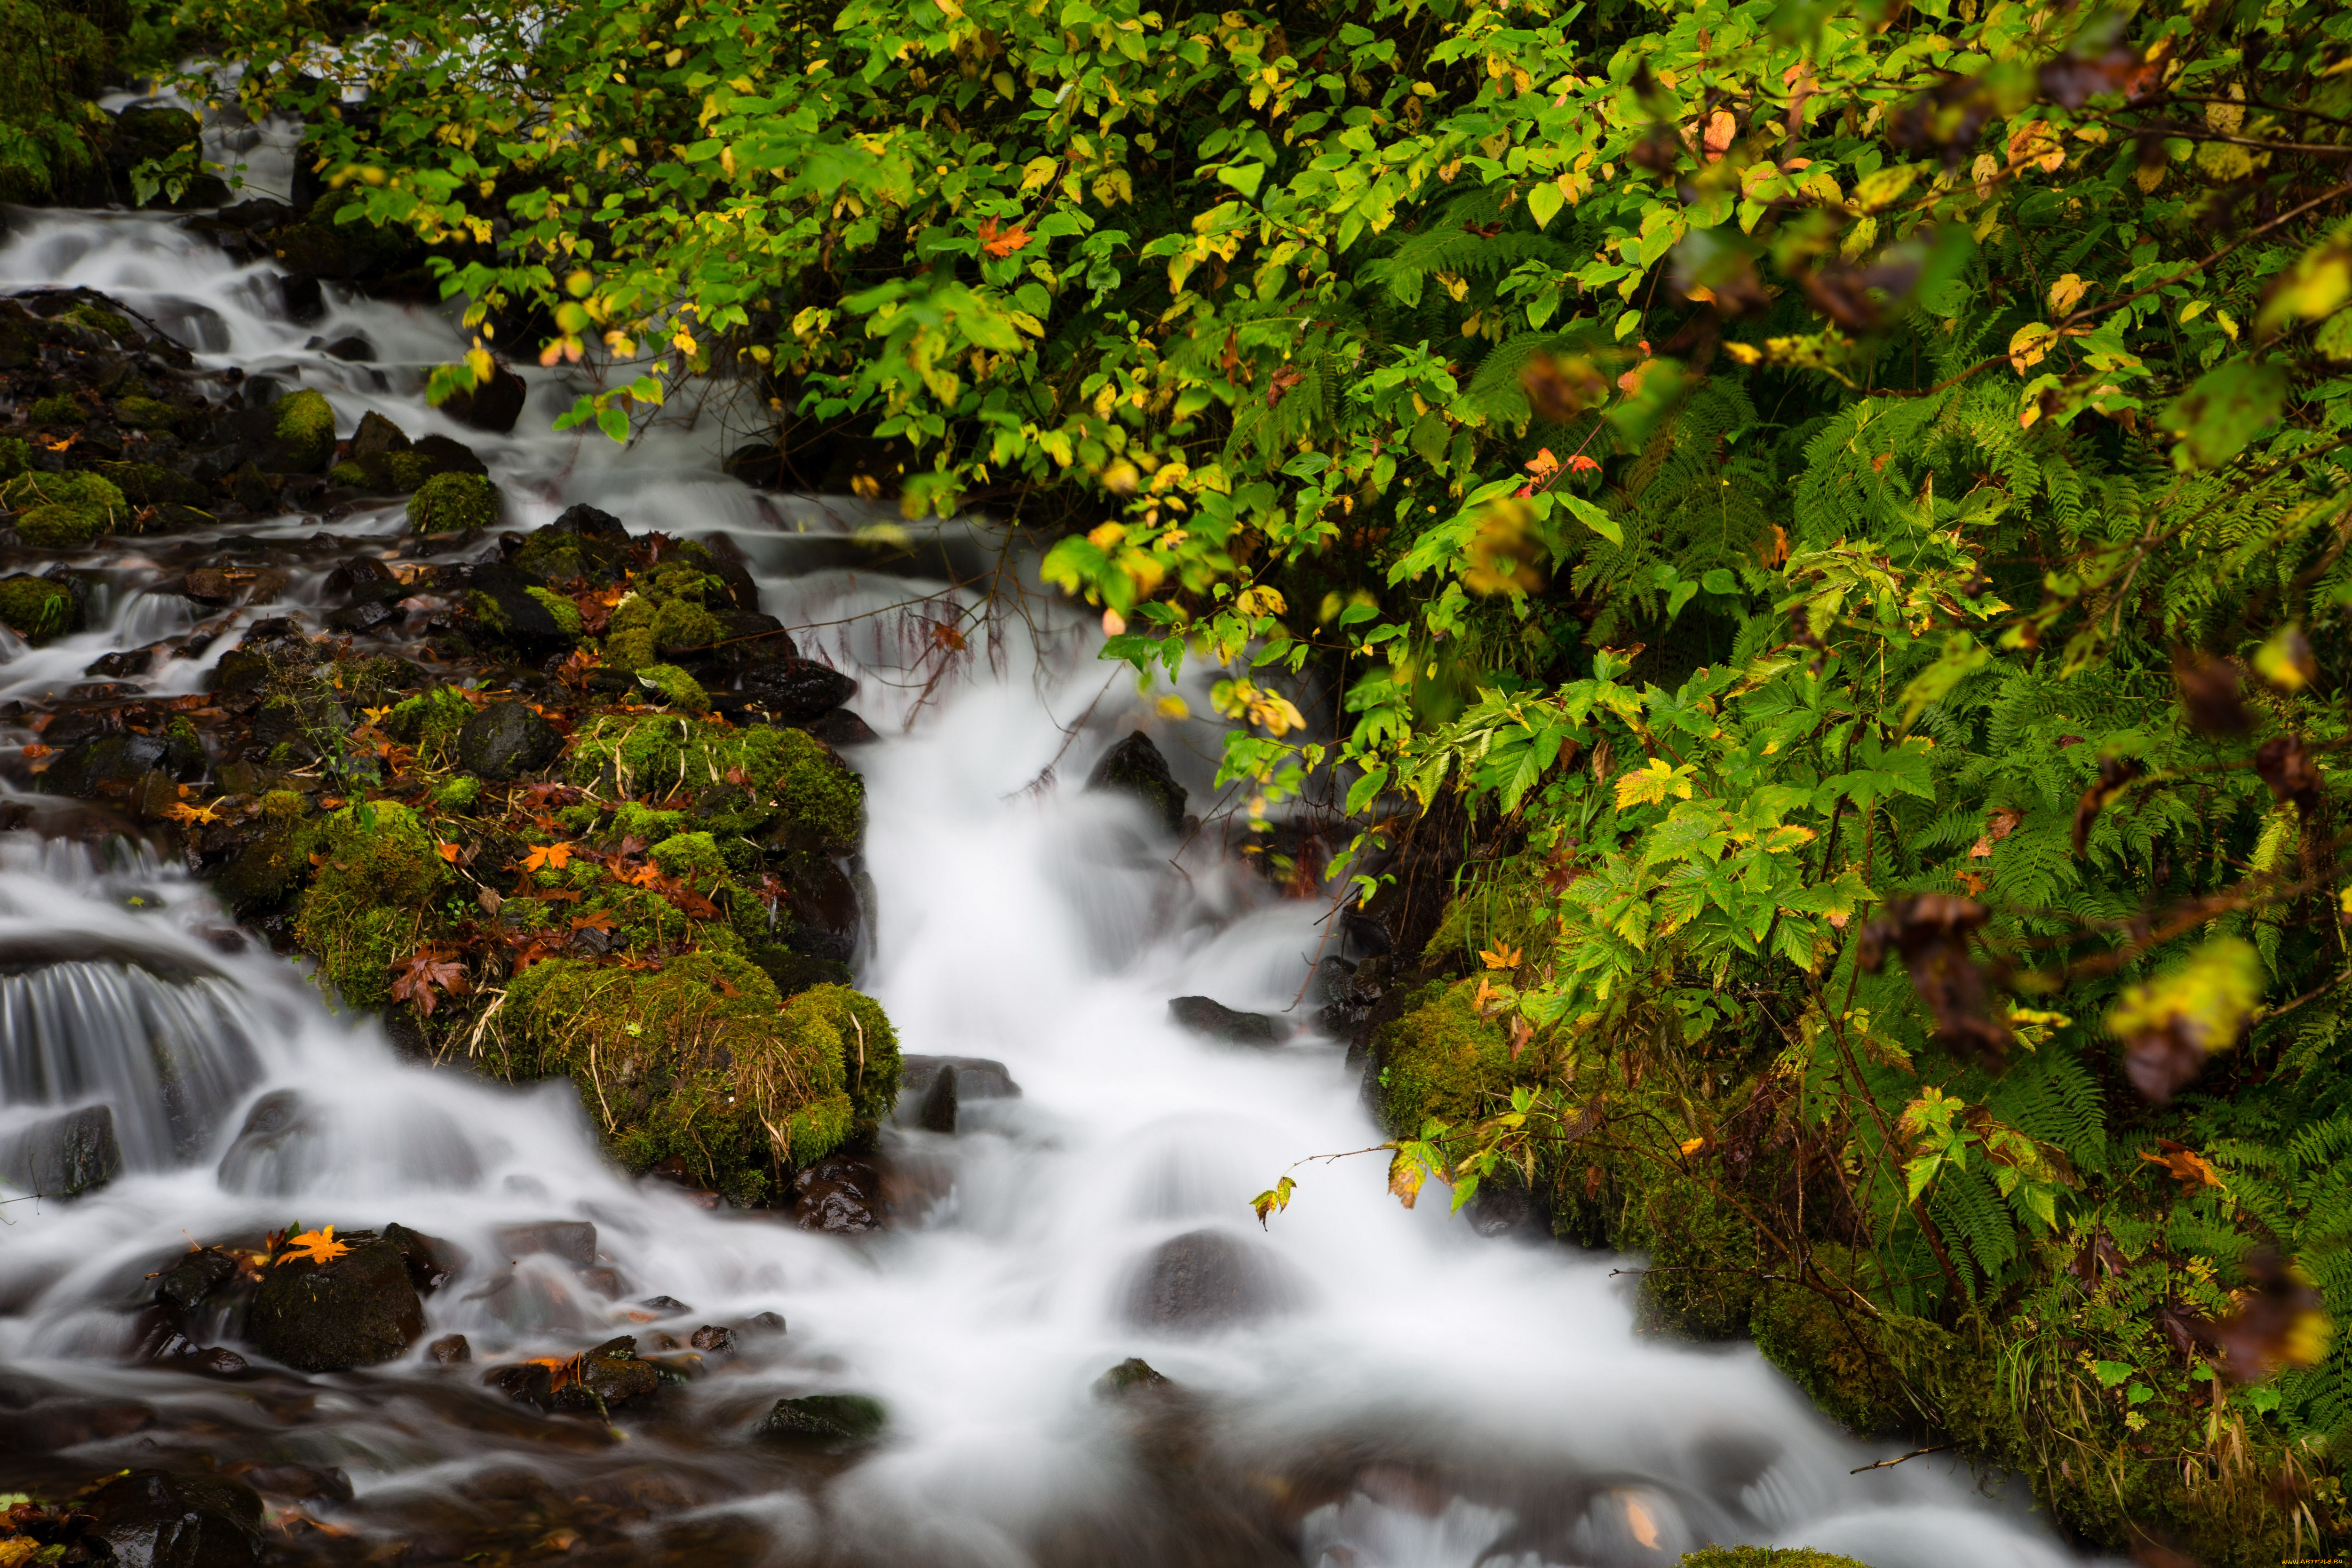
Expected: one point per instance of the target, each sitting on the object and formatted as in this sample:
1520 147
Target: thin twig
1914 1454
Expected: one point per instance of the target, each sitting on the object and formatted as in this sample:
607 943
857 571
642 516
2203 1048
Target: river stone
512 613
1215 1021
494 408
796 689
839 727
1203 1281
823 1418
121 759
937 1112
156 1520
192 1278
358 1311
840 1195
1135 767
432 1262
573 1240
931 1090
505 739
1133 1375
66 1155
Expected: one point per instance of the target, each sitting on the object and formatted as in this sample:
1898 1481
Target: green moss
678 578
631 650
452 503
61 409
15 457
690 1061
37 609
1766 1557
147 413
681 623
566 613
284 805
371 903
94 491
691 855
98 318
676 688
429 722
59 527
146 484
305 427
868 1045
640 822
823 803
459 793
634 613
1441 1060
350 475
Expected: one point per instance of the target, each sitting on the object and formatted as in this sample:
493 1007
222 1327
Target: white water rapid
1419 1396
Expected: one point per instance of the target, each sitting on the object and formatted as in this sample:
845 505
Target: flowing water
1414 1395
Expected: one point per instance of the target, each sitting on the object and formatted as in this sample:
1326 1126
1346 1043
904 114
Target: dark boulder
584 521
450 1349
823 1418
839 727
796 691
713 1339
1215 1021
113 763
936 1111
1135 767
358 1311
573 1240
931 1090
65 1155
1132 1376
502 600
432 1262
1203 1281
505 739
305 300
192 1277
156 1520
262 872
794 973
494 408
354 350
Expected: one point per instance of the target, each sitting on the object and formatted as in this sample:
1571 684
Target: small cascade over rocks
398 1307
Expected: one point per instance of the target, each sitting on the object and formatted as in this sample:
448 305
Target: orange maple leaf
600 920
1503 956
1000 245
183 811
557 856
315 1247
2183 1164
449 852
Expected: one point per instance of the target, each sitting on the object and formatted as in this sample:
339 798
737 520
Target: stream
1393 1390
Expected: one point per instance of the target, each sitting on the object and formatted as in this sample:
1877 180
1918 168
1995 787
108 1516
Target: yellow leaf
1405 1177
2065 292
1505 956
2028 345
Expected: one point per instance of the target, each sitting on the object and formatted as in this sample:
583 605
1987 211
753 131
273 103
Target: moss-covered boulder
148 484
675 687
565 614
59 527
61 408
631 650
822 802
37 609
454 503
684 624
372 900
92 492
429 722
1766 1557
1439 1058
869 1046
15 457
304 424
698 1061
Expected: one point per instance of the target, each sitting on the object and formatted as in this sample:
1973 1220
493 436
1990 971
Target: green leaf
1593 517
1544 203
2226 408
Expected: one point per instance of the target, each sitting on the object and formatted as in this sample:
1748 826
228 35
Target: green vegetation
57 527
305 425
1766 1557
37 609
823 802
675 687
370 899
1843 508
452 503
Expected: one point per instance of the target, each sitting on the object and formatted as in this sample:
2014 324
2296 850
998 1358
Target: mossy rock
641 821
460 794
146 413
695 1061
683 624
15 458
823 802
429 722
566 613
631 650
675 687
149 484
98 319
370 904
61 409
36 608
1766 1557
1440 1059
869 1046
59 527
454 503
94 491
1833 1355
691 855
304 424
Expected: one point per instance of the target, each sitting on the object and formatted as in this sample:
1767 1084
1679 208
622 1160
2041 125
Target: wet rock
573 1240
839 727
503 600
262 872
616 1375
153 1519
823 1418
1135 767
38 608
432 1262
1505 1206
450 1349
796 691
504 740
763 1324
937 1110
113 763
667 1306
604 1281
1133 1375
192 1277
64 1156
120 665
840 1195
713 1339
305 300
494 408
1201 1281
303 1483
361 618
353 350
1215 1021
358 1311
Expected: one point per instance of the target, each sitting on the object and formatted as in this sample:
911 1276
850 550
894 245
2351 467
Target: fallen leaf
2184 1164
314 1247
1505 956
555 856
449 852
